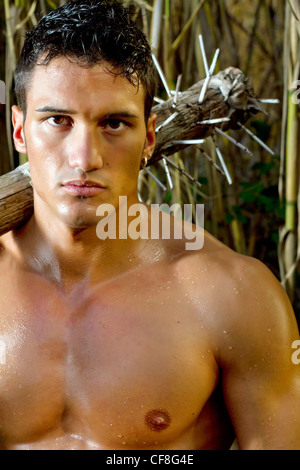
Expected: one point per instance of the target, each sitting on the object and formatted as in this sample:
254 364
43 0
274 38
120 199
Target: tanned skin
128 344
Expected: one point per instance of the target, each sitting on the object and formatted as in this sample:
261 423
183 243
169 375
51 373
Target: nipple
157 420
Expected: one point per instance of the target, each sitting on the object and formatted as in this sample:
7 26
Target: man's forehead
62 72
62 82
63 67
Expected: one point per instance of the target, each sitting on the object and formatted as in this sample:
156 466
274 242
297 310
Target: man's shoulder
248 278
243 288
215 257
227 262
252 302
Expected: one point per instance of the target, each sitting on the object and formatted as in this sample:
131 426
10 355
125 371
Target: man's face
85 135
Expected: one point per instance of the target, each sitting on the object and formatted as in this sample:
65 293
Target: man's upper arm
260 381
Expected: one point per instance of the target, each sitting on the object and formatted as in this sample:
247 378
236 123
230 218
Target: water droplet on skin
225 332
230 348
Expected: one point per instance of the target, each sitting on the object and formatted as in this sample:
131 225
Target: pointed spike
235 142
214 62
182 171
178 84
155 179
167 121
212 162
162 76
203 90
203 55
169 178
266 100
257 139
220 156
208 77
214 121
189 142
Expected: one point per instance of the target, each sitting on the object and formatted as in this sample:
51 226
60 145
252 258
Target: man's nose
85 149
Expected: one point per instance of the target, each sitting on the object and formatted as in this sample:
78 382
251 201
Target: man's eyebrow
120 114
52 109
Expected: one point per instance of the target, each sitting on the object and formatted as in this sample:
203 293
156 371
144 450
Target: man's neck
70 256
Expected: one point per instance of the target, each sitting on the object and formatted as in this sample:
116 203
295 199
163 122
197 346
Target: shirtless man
120 343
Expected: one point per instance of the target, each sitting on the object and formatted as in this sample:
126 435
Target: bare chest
117 365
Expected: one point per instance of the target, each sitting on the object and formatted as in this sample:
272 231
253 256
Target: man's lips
83 188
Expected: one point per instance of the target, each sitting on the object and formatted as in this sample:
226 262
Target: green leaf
263 167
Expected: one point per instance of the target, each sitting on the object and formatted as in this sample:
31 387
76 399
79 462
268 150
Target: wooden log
229 95
16 198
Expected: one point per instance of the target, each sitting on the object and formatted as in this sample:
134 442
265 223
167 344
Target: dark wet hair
89 31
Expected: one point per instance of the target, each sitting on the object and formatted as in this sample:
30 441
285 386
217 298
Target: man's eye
59 120
113 124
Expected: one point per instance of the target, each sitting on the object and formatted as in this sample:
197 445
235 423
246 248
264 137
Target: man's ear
150 137
18 132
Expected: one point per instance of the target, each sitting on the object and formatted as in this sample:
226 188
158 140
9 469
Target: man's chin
79 220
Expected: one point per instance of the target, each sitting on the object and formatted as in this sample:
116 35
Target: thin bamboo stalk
156 24
185 29
289 240
10 39
252 36
28 16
